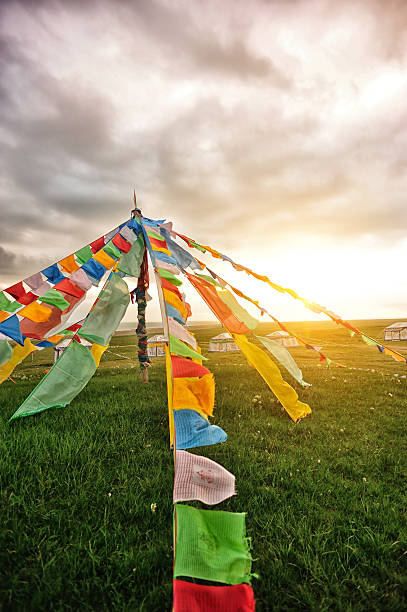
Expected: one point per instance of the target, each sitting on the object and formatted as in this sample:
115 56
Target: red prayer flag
69 287
184 368
166 284
121 243
98 244
161 244
27 298
16 290
190 597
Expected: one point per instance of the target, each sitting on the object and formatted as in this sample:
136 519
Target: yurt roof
278 334
397 325
156 338
220 337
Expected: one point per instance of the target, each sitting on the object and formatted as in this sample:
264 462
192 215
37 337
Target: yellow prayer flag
39 313
168 369
161 249
195 394
97 351
68 264
19 353
104 258
173 300
268 370
4 315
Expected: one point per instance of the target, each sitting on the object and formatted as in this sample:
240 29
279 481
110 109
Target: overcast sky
274 131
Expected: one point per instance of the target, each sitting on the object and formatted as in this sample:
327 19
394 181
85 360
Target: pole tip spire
136 212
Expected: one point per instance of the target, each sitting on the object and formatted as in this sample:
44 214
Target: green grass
325 499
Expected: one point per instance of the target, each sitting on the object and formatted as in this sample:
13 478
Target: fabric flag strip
19 353
284 357
177 347
181 333
186 368
287 396
195 393
219 308
211 545
64 381
5 352
193 430
199 478
314 307
190 597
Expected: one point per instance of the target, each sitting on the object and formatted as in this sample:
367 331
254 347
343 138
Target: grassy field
325 499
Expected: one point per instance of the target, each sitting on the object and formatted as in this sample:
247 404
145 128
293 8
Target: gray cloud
256 143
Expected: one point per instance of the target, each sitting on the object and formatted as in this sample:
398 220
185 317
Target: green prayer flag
209 279
67 377
177 347
169 277
369 341
5 352
84 254
198 246
211 545
54 298
238 310
130 262
154 235
284 357
112 249
107 313
8 305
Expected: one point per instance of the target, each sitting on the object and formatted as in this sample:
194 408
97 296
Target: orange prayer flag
68 264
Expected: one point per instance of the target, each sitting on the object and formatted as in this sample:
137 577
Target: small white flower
109 495
153 507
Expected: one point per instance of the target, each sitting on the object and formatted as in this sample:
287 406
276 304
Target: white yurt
156 346
222 343
396 331
59 349
283 338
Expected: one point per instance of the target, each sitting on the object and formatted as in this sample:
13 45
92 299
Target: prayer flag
11 328
268 370
103 258
67 286
130 263
5 352
180 332
193 430
185 368
170 287
54 298
128 234
240 313
83 255
53 274
94 269
211 545
219 308
194 393
169 267
16 290
121 243
174 301
19 353
201 479
68 264
107 313
67 377
80 278
113 250
27 298
34 281
173 312
36 312
284 357
170 277
190 597
8 305
97 351
177 347
98 244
